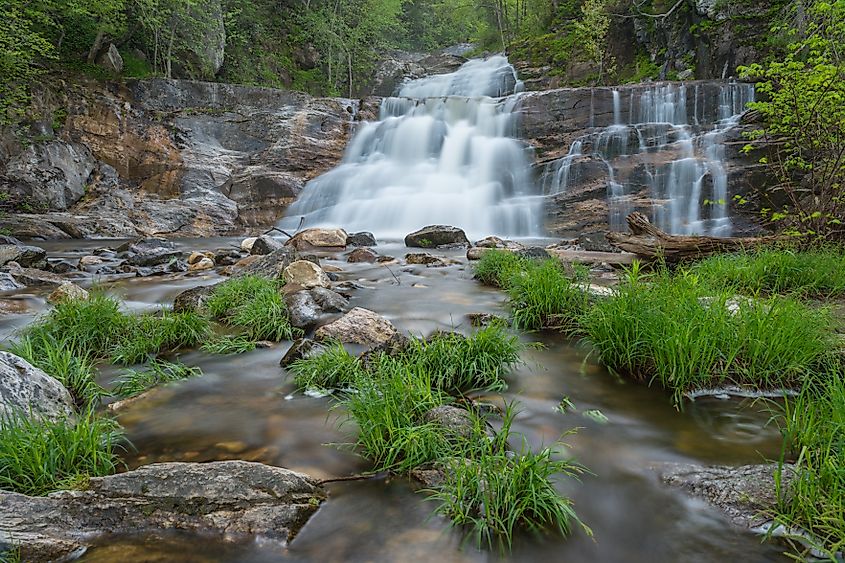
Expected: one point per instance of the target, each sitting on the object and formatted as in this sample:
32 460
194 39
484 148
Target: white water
443 152
681 165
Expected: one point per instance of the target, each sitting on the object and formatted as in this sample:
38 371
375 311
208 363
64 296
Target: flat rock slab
743 493
587 257
358 326
233 499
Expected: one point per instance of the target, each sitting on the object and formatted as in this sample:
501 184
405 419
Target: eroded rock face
232 499
435 236
52 174
358 326
28 391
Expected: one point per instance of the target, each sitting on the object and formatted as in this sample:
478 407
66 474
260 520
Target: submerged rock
435 236
28 391
232 499
318 238
305 274
67 292
426 259
456 422
358 326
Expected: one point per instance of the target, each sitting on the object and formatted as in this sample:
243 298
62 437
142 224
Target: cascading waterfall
442 152
669 149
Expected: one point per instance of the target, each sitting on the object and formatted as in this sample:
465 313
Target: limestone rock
246 244
235 500
435 236
358 326
26 390
318 238
204 264
67 292
306 275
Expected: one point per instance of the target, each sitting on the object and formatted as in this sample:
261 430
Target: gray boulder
330 301
193 299
270 266
457 423
265 244
31 277
303 309
235 500
26 256
111 60
361 239
358 326
53 174
28 391
301 348
8 283
435 236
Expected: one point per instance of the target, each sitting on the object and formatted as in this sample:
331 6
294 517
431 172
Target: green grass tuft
255 305
39 457
229 344
135 382
335 368
154 333
542 296
496 266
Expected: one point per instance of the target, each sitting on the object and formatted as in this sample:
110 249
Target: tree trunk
95 48
650 243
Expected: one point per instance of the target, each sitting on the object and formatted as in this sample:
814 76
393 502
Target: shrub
135 382
39 457
90 327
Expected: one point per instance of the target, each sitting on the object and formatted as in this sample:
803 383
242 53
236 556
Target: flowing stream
245 407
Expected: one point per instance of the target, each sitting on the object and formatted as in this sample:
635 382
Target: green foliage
335 368
135 66
591 31
134 382
10 554
686 335
497 492
255 305
544 297
496 267
814 427
229 344
154 333
818 272
39 457
91 327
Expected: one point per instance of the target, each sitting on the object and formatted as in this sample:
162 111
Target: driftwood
650 243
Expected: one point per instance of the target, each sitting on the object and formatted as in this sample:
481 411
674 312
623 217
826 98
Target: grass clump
543 296
39 457
229 344
682 334
165 331
497 492
814 431
135 382
812 273
496 266
255 305
334 368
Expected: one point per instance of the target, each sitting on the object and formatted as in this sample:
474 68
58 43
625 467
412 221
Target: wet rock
173 266
67 292
193 299
426 259
742 492
60 267
330 301
318 238
270 266
90 261
485 319
475 253
226 257
8 283
358 326
435 236
534 252
456 422
246 244
362 255
300 349
265 244
361 239
149 252
28 391
52 174
303 309
32 277
305 274
595 241
195 257
26 256
204 264
232 499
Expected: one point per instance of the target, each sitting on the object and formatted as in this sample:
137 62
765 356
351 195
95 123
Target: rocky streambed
245 407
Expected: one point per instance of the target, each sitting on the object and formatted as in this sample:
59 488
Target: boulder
52 175
306 275
193 299
233 500
26 256
90 261
361 239
67 292
31 277
204 264
301 348
148 252
111 60
265 244
28 391
362 255
534 252
435 236
195 257
476 252
226 257
425 259
8 283
246 244
330 301
303 309
318 238
270 266
358 326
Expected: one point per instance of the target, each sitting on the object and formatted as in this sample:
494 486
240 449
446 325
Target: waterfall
667 153
442 152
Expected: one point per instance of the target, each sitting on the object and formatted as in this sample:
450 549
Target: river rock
27 390
362 255
8 283
67 292
435 236
303 309
318 238
457 423
330 301
226 256
193 299
361 239
306 275
742 492
90 261
300 349
534 253
475 252
246 244
195 257
204 264
265 244
32 277
234 500
358 326
26 256
426 259
269 266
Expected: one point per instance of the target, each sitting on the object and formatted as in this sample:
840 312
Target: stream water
245 407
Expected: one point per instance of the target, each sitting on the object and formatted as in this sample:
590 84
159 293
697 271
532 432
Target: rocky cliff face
171 157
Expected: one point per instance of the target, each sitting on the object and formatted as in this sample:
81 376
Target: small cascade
442 152
665 156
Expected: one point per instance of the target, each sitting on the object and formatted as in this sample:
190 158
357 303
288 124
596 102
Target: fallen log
650 243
